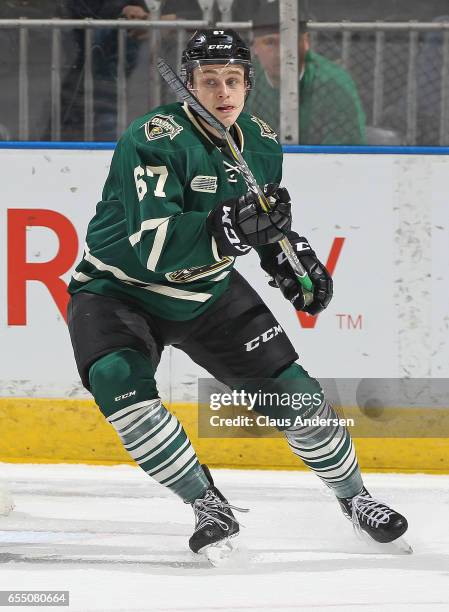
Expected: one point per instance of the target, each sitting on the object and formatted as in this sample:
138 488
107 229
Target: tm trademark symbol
347 321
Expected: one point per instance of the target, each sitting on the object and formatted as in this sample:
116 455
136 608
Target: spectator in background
330 111
180 9
191 9
104 67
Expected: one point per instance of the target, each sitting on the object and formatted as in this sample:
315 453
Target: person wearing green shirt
157 270
330 110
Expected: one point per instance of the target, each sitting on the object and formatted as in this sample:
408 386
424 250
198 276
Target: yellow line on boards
39 430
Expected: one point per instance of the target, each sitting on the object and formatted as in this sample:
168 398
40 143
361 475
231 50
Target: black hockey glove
239 224
284 277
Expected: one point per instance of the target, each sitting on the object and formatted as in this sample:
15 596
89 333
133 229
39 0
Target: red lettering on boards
20 271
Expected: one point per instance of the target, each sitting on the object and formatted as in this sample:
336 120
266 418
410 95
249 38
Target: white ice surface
118 541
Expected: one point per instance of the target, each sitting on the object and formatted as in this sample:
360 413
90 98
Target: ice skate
376 520
215 524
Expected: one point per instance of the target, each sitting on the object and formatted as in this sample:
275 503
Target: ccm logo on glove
276 264
299 248
230 232
240 223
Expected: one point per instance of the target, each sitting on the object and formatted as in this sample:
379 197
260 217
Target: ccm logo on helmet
219 46
265 337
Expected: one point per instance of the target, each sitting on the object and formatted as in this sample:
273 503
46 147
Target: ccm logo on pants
265 337
124 396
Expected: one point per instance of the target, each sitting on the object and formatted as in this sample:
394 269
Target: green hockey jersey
148 241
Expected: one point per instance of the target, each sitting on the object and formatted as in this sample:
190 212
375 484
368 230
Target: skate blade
400 545
218 554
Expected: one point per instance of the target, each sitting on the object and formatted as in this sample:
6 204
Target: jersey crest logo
160 126
205 184
265 130
188 275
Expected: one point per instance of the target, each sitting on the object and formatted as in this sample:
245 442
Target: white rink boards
118 542
381 219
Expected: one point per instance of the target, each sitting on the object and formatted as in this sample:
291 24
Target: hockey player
158 270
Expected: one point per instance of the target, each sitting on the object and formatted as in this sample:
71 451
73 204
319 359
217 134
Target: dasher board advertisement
379 222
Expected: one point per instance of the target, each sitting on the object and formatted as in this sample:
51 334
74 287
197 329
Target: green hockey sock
327 450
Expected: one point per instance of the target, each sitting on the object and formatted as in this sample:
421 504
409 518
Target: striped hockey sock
329 452
156 440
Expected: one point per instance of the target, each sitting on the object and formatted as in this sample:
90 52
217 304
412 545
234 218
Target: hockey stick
185 95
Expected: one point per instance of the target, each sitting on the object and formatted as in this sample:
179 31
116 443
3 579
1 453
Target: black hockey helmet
216 47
